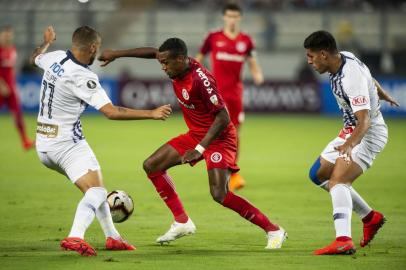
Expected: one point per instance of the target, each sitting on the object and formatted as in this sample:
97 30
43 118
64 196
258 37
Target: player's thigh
325 170
218 181
162 159
344 172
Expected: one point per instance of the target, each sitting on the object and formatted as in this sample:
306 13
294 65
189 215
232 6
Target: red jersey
227 59
8 58
199 100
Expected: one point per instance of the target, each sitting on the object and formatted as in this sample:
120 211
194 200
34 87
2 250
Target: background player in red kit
230 48
8 87
211 137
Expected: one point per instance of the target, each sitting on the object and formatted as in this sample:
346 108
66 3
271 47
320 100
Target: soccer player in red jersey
211 137
8 87
230 48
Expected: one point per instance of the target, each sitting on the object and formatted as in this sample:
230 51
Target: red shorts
235 110
12 101
221 153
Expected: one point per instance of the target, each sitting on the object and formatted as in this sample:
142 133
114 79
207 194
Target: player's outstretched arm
108 55
220 123
120 113
384 95
49 37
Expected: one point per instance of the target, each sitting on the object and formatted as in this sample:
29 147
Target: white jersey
68 87
355 90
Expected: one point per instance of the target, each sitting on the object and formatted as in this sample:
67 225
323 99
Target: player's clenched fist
49 35
191 155
161 113
106 57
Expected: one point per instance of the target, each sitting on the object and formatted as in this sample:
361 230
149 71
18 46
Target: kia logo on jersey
185 94
359 101
241 46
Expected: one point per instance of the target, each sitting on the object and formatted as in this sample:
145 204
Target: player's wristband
200 149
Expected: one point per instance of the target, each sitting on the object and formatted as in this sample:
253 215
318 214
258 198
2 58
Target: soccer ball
121 205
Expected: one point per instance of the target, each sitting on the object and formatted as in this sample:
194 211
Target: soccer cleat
236 182
79 245
371 228
118 244
337 248
176 231
28 144
276 238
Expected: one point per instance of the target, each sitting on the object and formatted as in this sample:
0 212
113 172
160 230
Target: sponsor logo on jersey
220 43
185 94
91 84
216 157
51 131
230 57
241 46
191 106
214 100
359 101
205 80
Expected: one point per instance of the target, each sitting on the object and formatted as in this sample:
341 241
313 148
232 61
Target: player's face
7 36
231 19
172 66
318 60
94 50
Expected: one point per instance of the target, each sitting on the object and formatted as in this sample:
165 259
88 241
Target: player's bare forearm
49 37
383 95
363 124
255 70
109 55
121 113
220 123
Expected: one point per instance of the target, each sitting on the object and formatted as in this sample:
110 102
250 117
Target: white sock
106 222
85 212
342 209
360 206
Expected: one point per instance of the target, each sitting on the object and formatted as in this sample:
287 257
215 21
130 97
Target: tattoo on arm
41 49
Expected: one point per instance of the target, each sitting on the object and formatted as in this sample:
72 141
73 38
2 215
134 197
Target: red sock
248 211
166 189
19 122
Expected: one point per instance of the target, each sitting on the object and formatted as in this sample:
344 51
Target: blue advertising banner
29 90
396 88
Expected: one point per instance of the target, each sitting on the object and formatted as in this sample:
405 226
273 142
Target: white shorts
365 152
73 160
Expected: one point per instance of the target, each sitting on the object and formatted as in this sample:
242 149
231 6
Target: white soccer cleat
176 231
276 238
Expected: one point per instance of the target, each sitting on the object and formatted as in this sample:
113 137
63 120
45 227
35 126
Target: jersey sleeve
44 60
209 94
251 47
89 90
356 87
206 47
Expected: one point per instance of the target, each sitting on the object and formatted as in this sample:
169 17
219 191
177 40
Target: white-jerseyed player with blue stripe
68 87
363 136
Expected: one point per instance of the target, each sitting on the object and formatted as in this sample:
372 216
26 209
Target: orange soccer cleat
118 244
79 245
337 248
236 182
371 227
28 144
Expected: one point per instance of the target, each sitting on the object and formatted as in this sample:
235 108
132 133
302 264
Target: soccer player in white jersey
363 136
68 87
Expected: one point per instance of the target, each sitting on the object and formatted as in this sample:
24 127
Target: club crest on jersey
214 100
91 84
185 94
241 46
359 101
216 157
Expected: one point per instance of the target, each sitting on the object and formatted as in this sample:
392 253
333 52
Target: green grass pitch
37 205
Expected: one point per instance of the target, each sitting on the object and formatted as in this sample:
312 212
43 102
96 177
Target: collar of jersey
343 60
74 60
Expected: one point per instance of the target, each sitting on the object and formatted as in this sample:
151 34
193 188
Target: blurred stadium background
374 30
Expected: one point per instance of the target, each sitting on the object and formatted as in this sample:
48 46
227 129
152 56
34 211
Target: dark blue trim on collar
343 57
74 60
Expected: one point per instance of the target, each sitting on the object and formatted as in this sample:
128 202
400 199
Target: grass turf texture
38 205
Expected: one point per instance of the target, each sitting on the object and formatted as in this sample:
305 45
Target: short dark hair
321 40
85 35
232 7
175 46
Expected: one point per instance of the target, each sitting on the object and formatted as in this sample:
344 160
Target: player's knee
149 165
218 194
314 172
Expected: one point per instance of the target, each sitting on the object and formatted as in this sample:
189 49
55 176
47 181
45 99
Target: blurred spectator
346 39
